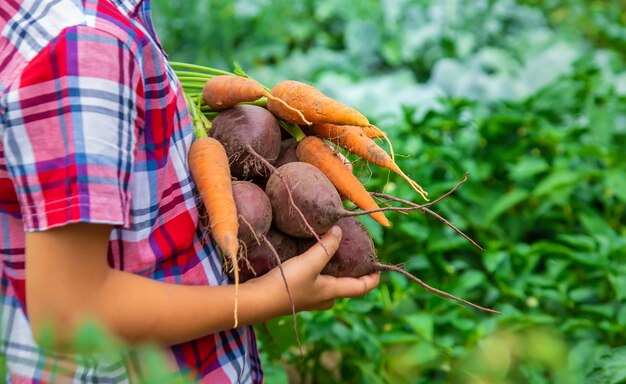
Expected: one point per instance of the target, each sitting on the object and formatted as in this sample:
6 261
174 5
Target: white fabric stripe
29 39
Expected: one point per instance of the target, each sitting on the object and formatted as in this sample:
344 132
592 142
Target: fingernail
336 230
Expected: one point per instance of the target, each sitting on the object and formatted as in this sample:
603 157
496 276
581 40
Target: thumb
321 252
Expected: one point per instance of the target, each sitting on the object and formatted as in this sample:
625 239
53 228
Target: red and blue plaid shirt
94 128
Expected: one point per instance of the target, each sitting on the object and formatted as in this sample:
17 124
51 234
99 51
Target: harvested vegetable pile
271 176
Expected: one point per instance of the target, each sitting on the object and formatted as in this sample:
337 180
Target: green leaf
619 286
505 203
604 310
398 337
360 305
596 225
492 260
422 324
547 248
612 367
556 267
92 337
528 167
582 242
602 120
470 280
582 294
621 315
615 180
368 372
275 373
558 180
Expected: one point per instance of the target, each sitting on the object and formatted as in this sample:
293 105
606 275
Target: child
98 214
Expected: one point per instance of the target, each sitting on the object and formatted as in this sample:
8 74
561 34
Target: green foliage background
529 97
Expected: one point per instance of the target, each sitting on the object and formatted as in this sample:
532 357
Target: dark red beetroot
355 254
287 152
261 258
244 125
254 211
305 243
315 197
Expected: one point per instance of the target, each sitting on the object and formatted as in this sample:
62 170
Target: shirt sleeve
72 120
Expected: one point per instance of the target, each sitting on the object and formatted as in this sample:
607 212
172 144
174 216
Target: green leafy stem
192 77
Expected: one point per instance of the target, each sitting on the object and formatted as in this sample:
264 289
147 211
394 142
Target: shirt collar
127 6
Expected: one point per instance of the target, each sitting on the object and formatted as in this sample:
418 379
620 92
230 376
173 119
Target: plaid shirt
94 129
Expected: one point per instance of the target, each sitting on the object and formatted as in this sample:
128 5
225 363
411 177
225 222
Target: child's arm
68 280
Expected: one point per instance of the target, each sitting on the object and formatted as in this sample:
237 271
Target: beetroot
313 194
305 243
244 125
261 259
287 152
356 255
254 211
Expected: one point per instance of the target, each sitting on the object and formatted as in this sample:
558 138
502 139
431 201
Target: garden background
526 96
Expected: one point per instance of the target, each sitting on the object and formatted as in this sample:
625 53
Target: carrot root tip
295 110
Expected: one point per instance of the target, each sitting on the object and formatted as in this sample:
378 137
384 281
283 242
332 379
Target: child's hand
309 289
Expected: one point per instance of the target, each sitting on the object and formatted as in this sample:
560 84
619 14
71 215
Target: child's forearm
139 309
68 280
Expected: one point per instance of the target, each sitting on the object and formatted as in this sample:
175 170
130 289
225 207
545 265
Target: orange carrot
225 91
208 164
353 140
315 106
373 132
314 151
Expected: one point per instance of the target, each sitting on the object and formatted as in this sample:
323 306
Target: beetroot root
356 256
254 212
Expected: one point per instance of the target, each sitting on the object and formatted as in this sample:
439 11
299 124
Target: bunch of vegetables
272 179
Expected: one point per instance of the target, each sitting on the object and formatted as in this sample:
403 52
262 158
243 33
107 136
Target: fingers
372 280
318 255
354 287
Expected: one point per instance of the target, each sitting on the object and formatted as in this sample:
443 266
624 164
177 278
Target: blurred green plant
93 343
529 97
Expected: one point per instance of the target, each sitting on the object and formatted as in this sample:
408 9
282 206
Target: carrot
209 169
315 106
353 139
224 91
373 132
314 151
